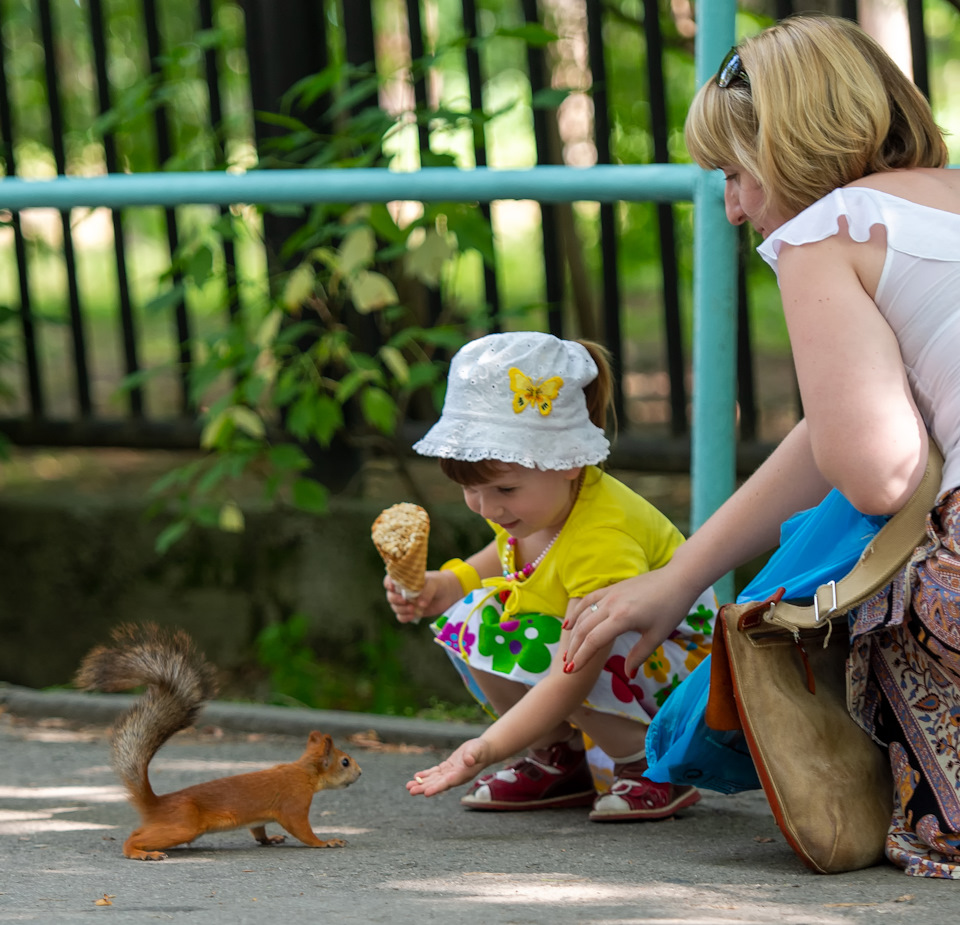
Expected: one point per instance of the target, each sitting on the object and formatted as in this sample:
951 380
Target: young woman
832 155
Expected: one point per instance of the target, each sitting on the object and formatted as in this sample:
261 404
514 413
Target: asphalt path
63 818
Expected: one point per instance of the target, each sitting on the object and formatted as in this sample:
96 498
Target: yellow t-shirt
612 533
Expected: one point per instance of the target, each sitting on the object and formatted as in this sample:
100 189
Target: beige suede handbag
779 674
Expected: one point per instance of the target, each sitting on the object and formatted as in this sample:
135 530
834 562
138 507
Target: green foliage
335 350
372 680
294 672
290 373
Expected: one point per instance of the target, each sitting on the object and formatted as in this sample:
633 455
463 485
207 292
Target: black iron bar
127 327
609 239
27 327
219 131
81 370
491 291
552 265
164 153
676 366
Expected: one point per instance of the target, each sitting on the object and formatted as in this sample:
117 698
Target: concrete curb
243 717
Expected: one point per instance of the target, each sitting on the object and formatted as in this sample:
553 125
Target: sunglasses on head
731 69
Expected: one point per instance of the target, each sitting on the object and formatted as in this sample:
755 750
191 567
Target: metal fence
189 102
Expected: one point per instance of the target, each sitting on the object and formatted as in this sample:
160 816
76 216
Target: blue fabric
682 749
816 546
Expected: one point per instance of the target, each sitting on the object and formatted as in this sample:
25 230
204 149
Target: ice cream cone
401 534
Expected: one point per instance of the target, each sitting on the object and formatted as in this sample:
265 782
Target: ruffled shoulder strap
911 228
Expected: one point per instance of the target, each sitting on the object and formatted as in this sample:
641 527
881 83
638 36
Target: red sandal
549 778
641 800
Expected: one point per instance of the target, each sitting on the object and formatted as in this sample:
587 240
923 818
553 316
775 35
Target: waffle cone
410 570
401 534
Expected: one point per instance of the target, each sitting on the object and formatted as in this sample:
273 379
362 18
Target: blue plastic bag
816 546
683 749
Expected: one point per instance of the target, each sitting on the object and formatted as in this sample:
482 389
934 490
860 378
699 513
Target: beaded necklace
509 555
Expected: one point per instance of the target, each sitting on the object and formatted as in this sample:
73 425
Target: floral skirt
904 689
523 647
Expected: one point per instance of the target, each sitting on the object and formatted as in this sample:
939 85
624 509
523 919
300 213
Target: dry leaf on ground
371 740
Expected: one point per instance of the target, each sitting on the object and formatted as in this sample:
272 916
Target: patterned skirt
904 690
523 647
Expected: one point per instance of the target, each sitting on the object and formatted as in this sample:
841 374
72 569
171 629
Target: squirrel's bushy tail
178 679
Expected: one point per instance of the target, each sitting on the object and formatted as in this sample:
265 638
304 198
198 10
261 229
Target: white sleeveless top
918 294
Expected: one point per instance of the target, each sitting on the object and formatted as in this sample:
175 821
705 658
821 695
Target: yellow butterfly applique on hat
537 394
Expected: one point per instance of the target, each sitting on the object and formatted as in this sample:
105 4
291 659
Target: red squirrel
178 680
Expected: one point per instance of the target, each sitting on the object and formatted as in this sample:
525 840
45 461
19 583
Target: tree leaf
165 300
371 291
381 221
267 331
170 535
288 456
199 265
231 518
549 98
309 495
299 286
350 383
379 409
422 374
248 421
299 420
394 361
357 250
427 261
327 418
532 33
216 430
473 231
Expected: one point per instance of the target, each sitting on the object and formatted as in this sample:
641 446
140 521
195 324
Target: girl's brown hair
599 397
824 105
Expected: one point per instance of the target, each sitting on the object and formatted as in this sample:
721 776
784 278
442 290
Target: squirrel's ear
322 739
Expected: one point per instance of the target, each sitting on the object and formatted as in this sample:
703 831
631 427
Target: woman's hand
462 766
651 604
440 591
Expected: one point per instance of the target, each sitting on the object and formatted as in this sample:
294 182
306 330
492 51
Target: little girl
522 431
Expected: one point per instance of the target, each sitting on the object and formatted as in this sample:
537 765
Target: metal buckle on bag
817 616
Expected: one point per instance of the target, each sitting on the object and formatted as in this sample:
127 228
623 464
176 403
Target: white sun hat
518 398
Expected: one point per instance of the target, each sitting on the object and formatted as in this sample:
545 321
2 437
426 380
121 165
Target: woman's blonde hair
824 105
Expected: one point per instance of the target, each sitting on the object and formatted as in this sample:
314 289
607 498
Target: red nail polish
563 625
633 673
564 657
568 668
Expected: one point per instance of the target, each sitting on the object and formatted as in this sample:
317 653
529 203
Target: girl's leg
632 797
618 736
502 693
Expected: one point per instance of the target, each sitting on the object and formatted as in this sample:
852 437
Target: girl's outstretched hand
462 766
649 604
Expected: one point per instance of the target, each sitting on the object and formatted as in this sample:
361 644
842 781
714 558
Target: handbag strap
878 563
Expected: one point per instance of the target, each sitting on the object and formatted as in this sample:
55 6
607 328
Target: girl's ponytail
599 393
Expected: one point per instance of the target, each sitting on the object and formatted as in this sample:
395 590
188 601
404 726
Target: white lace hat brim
473 441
